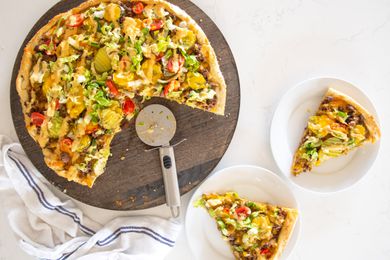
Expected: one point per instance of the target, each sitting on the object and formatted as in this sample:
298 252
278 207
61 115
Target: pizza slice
254 230
339 126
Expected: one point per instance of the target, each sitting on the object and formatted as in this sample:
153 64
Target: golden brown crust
369 120
285 232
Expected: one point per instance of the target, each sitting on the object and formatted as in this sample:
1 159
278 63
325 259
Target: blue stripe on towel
129 229
45 203
122 230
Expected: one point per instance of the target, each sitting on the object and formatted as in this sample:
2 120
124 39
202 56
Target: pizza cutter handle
172 192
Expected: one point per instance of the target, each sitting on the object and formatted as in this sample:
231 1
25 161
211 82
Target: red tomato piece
173 85
243 210
37 118
171 65
66 145
128 106
91 128
159 56
111 86
157 24
265 251
75 20
138 8
166 90
174 65
57 104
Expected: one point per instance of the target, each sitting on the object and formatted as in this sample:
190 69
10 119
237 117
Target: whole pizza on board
81 73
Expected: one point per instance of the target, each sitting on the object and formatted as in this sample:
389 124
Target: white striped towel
49 228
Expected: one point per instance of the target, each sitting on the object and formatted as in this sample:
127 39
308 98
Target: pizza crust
369 119
285 232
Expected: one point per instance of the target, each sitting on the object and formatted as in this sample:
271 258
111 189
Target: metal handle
171 185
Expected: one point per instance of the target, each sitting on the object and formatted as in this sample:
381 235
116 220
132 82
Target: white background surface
276 44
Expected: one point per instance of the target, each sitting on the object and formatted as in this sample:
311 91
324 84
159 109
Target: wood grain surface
133 178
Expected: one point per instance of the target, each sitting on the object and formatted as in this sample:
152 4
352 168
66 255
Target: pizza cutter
155 126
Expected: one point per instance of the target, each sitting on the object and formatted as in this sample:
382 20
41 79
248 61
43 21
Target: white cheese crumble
99 14
37 77
213 202
81 79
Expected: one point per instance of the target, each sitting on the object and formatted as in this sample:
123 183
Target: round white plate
251 182
288 123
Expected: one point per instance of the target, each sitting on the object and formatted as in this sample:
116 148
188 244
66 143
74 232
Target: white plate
251 182
289 121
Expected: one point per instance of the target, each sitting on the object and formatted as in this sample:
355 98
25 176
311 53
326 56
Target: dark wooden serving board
133 178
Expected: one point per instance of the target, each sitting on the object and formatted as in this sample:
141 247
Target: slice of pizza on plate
339 126
253 230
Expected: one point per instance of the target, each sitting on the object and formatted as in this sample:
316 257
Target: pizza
339 126
253 230
87 71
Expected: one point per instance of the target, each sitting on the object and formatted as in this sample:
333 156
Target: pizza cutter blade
155 126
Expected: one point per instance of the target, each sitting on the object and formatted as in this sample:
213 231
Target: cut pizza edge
25 92
368 119
285 232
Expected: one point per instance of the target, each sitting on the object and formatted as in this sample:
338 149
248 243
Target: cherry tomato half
111 86
66 145
243 210
173 85
37 118
157 24
174 65
75 20
128 106
265 251
138 8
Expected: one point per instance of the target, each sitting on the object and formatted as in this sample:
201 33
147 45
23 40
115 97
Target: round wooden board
133 178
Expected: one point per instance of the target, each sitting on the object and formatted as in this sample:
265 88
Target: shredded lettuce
342 115
191 61
70 58
163 43
101 99
55 125
106 28
136 62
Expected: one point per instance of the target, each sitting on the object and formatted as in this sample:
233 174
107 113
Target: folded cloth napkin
49 228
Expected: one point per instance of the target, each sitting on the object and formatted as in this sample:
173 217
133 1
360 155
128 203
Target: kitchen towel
49 228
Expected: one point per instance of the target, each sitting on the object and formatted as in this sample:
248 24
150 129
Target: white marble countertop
276 43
